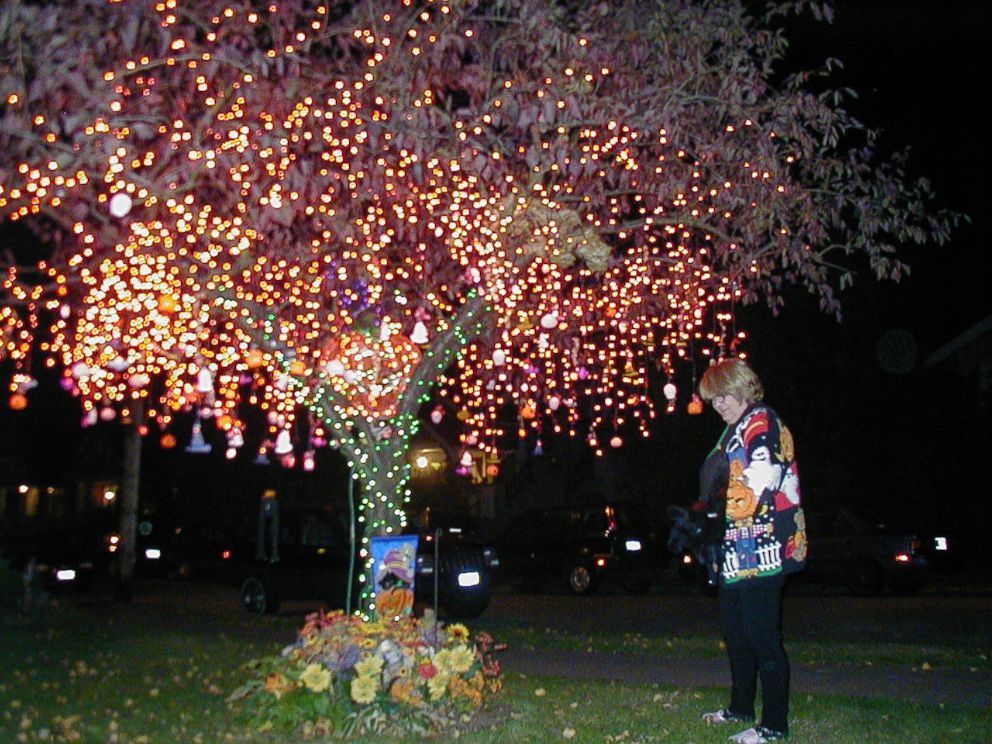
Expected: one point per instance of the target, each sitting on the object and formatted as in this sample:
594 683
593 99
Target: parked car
843 546
581 546
54 560
311 556
868 555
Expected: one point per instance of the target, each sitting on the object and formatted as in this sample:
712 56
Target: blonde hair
731 377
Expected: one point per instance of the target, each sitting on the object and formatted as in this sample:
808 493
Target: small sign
394 567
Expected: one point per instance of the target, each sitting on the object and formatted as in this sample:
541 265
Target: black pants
751 621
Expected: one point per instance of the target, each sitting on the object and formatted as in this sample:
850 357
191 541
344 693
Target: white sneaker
759 735
722 716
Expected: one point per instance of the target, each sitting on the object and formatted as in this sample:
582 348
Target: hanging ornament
616 442
90 418
168 441
437 415
308 461
167 304
284 444
538 448
695 406
262 458
120 205
107 414
334 368
138 381
255 359
499 357
670 391
419 335
553 402
18 402
297 368
197 444
472 439
466 459
549 321
235 438
230 453
118 364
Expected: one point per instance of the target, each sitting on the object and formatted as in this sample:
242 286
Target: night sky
875 426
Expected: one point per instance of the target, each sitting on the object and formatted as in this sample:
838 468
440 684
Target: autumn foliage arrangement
347 676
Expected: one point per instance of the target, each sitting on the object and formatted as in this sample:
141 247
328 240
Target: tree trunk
128 526
384 476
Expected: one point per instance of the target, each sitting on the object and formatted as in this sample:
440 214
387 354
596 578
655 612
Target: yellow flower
442 660
437 686
404 691
458 631
461 659
477 681
369 666
363 689
316 678
460 689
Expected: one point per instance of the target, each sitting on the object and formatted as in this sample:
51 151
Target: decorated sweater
765 527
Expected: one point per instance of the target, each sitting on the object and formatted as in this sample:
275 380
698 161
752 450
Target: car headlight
153 554
469 578
632 545
65 574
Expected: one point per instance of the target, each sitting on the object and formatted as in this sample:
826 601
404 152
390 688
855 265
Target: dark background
876 426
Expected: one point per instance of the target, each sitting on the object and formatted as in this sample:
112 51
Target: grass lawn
111 674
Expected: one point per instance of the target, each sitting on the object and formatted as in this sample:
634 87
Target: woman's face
729 407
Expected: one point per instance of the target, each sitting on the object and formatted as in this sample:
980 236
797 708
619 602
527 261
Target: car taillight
902 558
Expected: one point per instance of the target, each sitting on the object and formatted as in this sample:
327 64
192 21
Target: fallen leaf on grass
568 733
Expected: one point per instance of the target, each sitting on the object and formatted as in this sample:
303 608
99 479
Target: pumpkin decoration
18 402
695 406
167 304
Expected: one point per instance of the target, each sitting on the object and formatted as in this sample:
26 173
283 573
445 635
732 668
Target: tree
338 210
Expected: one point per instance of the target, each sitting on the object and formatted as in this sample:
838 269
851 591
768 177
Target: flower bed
348 676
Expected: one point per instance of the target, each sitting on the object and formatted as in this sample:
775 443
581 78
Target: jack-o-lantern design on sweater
741 500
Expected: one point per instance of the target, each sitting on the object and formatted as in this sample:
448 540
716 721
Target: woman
764 539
